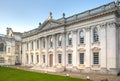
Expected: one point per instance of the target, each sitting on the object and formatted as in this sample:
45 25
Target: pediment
81 50
95 49
48 24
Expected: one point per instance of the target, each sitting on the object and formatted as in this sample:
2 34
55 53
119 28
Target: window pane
69 58
81 58
96 58
51 42
43 58
59 58
69 39
1 60
59 40
81 36
37 58
32 58
1 46
95 35
37 44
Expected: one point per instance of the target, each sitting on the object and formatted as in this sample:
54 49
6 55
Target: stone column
64 49
54 50
103 42
74 55
39 51
46 52
88 39
111 46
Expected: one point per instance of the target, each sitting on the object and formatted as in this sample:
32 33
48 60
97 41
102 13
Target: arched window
51 42
59 40
2 60
81 36
95 35
69 39
1 47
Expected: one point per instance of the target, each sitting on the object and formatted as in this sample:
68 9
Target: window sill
96 43
95 66
69 46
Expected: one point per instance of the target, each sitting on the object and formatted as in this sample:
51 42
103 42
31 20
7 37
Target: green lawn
10 74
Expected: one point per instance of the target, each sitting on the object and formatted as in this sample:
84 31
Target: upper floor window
43 42
32 45
27 45
59 40
1 47
95 35
8 50
69 39
81 34
51 42
37 44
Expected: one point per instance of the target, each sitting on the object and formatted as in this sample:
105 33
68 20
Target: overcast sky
24 15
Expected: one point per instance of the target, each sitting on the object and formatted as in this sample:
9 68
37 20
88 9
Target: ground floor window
2 60
81 58
32 58
59 58
37 58
27 59
69 58
43 58
95 58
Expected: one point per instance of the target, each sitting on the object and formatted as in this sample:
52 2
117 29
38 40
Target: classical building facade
10 48
85 42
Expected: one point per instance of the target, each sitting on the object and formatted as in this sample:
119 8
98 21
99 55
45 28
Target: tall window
43 42
69 39
59 58
95 58
27 45
32 58
81 34
27 59
8 50
51 42
69 58
32 45
37 56
95 35
43 58
1 47
37 44
1 60
59 40
81 58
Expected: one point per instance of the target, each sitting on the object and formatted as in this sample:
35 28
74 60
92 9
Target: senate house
87 42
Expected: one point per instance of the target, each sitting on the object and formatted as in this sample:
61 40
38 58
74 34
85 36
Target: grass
10 74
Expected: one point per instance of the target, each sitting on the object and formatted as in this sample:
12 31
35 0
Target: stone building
85 42
10 48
